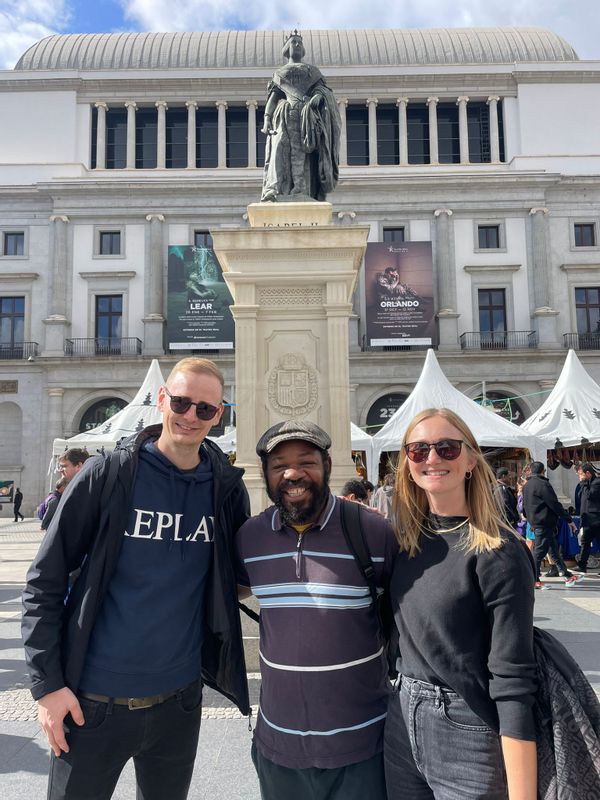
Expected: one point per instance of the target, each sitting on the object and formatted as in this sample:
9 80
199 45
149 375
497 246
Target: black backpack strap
249 612
353 533
111 479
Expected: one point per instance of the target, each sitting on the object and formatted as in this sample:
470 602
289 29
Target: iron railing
19 350
86 348
498 340
582 341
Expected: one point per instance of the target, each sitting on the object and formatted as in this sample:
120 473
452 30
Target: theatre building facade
483 142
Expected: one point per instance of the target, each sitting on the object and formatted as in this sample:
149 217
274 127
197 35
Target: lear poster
399 293
198 311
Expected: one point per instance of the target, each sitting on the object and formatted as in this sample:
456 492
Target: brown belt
132 703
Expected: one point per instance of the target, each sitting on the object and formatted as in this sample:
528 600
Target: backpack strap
353 533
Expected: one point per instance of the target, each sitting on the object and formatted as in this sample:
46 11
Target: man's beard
297 513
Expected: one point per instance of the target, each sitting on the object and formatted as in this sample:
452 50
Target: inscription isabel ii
302 123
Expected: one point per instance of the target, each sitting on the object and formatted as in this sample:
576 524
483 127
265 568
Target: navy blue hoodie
148 635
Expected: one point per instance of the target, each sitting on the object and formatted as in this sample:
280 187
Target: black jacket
507 500
540 503
88 528
590 503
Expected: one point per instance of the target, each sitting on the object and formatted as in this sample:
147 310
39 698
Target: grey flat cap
292 429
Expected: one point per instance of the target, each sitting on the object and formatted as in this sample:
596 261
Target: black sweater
540 503
466 622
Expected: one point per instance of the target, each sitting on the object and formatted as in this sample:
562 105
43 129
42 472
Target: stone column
434 157
337 311
446 281
402 102
494 130
221 134
251 105
55 429
372 106
131 107
101 136
154 317
463 129
342 105
192 105
544 315
161 134
57 323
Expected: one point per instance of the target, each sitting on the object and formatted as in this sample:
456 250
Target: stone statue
302 123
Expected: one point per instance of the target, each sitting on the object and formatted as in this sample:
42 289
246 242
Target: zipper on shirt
299 556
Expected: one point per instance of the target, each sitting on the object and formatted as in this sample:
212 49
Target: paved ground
223 767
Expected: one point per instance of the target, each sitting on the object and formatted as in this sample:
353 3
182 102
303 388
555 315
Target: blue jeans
437 748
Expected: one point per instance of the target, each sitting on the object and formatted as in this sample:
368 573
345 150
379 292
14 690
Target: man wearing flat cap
324 675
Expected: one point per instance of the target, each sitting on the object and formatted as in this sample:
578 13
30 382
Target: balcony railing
498 340
582 341
19 350
86 348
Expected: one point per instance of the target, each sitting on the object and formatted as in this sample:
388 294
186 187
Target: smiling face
298 481
184 433
443 481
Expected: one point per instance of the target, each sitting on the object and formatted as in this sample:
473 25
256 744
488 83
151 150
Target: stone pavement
223 767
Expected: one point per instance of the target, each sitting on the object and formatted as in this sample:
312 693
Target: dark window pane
202 239
12 320
19 305
261 138
588 309
489 237
492 310
237 137
108 316
417 120
387 135
582 321
206 137
501 130
145 138
14 243
94 141
393 234
176 135
484 320
357 135
478 125
580 295
592 296
116 138
448 138
110 243
585 235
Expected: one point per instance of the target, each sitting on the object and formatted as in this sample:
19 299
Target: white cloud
24 22
578 24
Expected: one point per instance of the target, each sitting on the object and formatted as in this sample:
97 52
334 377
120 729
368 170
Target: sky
24 22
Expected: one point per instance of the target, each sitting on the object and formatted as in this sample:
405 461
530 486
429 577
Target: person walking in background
590 514
507 499
542 510
18 499
52 502
460 724
382 499
356 491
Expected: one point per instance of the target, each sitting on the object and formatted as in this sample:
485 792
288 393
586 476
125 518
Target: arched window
99 412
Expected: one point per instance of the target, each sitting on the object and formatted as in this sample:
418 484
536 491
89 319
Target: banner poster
198 313
7 489
399 293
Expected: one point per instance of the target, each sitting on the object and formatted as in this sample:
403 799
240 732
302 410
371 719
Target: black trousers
18 514
162 740
545 542
588 536
362 781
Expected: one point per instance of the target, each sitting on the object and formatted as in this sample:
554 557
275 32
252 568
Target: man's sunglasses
448 449
179 405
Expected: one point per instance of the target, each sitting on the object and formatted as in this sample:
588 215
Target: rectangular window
478 125
12 320
585 234
261 138
94 141
202 239
492 314
206 137
109 243
146 129
393 235
109 313
387 135
13 243
357 135
176 135
448 136
488 237
237 137
587 305
116 138
417 121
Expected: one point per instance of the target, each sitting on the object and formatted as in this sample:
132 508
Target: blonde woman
460 724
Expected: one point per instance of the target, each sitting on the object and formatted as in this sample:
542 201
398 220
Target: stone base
154 325
545 324
291 214
448 329
57 330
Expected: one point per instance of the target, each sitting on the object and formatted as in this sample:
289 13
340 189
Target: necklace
447 530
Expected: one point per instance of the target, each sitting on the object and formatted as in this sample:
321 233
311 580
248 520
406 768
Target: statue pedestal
291 274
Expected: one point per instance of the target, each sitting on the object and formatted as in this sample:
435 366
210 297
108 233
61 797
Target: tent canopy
571 411
434 390
140 413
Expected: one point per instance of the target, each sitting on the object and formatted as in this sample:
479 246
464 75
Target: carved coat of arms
293 385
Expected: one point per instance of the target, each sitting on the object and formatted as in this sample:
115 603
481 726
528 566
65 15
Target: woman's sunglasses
179 405
448 449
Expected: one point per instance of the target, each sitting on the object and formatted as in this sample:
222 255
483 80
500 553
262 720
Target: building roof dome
327 48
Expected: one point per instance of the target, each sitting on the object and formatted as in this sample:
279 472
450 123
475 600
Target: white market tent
571 411
434 390
138 414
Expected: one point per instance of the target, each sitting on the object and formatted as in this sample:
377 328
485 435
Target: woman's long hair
410 506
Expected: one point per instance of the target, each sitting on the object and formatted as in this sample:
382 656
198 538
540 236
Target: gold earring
468 475
410 478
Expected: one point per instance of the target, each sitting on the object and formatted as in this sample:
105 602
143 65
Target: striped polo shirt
324 685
